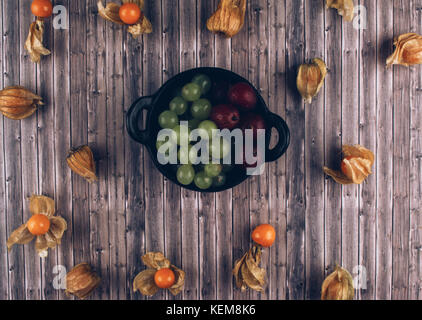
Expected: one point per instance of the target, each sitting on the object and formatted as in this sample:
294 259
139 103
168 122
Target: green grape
219 180
185 174
191 92
168 120
201 109
212 170
204 82
182 133
202 181
178 105
208 126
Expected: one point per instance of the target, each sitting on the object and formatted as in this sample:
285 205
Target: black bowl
160 101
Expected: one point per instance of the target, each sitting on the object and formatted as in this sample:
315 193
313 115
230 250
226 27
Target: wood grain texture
384 163
295 167
29 146
97 70
4 274
277 170
415 178
172 195
401 162
13 150
367 122
152 80
333 140
314 156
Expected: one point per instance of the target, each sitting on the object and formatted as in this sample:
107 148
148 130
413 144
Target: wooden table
97 70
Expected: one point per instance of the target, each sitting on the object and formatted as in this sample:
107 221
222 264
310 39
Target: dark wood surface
97 70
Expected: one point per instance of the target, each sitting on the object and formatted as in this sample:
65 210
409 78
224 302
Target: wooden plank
115 160
332 138
4 275
241 225
29 143
415 260
44 158
207 214
62 141
134 173
172 209
350 136
152 80
79 128
97 139
277 170
223 205
401 138
189 200
314 157
258 75
295 171
367 125
384 159
12 150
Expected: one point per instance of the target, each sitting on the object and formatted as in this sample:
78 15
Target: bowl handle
275 121
132 118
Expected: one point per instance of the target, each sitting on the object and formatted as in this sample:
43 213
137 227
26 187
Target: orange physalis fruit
264 235
38 224
130 13
164 278
42 8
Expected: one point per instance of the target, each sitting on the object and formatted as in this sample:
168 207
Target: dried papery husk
111 13
408 50
310 79
345 8
359 167
179 282
156 260
81 161
19 236
247 271
51 239
81 281
42 205
338 286
18 103
144 281
34 42
229 17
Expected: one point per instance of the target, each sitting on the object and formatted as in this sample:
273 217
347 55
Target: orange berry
264 235
164 278
130 13
42 8
38 224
